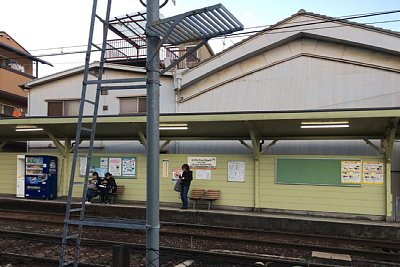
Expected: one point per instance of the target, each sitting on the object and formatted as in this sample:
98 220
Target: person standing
185 179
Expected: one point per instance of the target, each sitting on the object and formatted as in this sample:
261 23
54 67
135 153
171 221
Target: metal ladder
68 234
69 237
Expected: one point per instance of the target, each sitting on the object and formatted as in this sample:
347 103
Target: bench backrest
213 194
120 189
197 193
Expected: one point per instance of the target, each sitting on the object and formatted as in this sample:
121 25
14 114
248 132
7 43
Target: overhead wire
274 30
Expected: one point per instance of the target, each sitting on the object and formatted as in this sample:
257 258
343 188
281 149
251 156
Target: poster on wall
351 171
103 166
203 174
373 172
82 166
128 166
236 171
114 166
165 167
175 174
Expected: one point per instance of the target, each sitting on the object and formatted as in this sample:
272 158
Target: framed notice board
119 167
310 172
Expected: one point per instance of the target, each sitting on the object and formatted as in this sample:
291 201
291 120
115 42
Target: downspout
177 84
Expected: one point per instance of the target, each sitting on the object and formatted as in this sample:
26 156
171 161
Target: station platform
224 218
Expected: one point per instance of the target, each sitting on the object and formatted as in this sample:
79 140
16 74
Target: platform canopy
290 125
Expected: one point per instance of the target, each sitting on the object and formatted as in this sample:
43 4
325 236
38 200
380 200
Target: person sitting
103 190
112 185
92 190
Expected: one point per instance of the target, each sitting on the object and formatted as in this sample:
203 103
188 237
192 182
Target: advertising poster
114 165
203 174
236 171
206 163
373 172
351 172
128 166
175 174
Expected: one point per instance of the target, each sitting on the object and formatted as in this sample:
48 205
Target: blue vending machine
41 177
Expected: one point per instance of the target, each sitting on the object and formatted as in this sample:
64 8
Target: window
193 59
6 109
12 64
132 105
63 108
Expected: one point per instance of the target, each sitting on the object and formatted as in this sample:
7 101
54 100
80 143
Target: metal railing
134 49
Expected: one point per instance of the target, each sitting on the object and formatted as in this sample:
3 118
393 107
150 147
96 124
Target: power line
295 24
251 33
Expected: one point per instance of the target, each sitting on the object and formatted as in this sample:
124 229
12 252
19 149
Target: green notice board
120 167
309 171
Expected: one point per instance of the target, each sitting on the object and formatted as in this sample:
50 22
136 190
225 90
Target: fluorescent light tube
323 122
325 126
173 128
28 129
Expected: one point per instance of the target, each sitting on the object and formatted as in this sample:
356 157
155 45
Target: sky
59 24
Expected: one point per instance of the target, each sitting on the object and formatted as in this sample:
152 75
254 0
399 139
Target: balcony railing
134 49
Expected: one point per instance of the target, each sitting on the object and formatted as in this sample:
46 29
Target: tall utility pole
153 138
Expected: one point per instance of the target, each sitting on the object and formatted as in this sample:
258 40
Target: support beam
57 143
165 144
141 135
375 147
2 143
255 142
269 146
255 139
246 145
391 134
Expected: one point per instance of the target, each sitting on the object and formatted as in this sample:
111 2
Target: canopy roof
371 124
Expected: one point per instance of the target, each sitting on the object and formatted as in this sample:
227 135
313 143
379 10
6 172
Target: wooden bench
196 195
211 196
120 191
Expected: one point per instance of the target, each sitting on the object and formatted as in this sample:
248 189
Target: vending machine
41 177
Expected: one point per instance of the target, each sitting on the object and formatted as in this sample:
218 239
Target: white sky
55 24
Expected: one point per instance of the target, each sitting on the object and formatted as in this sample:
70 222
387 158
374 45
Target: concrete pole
153 140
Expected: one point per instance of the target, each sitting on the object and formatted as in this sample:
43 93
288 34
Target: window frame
137 97
62 101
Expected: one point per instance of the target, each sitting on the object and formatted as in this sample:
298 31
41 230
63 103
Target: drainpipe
177 85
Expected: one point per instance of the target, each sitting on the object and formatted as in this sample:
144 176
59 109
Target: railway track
251 242
177 255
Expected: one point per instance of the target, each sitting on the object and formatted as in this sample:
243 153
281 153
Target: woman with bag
184 180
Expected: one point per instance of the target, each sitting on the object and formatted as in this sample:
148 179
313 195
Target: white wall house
321 63
58 95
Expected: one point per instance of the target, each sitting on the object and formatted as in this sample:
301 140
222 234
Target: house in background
17 66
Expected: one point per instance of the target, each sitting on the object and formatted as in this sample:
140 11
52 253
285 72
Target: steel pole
153 139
